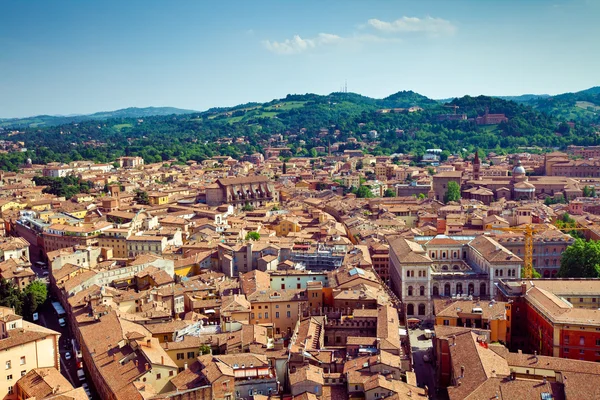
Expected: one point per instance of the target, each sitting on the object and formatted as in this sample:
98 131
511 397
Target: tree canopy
253 235
581 260
452 193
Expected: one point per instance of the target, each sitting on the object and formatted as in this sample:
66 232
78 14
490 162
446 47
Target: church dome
518 170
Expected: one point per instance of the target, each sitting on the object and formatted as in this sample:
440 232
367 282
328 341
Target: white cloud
386 32
428 25
297 44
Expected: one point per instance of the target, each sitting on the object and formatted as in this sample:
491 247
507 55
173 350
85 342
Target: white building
444 266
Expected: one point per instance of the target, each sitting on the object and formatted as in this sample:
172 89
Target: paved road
425 371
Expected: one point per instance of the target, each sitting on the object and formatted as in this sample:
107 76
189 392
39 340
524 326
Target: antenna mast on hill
346 86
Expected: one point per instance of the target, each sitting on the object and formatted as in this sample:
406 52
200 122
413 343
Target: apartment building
23 347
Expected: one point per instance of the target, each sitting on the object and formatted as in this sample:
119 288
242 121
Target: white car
62 322
35 317
68 355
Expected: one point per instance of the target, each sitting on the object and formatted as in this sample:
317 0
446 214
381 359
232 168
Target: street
425 371
48 318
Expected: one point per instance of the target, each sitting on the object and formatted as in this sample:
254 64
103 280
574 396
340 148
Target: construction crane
452 106
528 231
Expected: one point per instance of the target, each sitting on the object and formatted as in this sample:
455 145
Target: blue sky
65 57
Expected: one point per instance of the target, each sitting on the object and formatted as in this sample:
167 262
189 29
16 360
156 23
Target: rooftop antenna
346 86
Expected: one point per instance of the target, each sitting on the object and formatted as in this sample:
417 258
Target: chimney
162 360
462 371
523 287
453 340
149 342
185 366
147 366
114 357
135 362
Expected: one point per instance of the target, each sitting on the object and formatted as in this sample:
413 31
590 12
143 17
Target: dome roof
519 170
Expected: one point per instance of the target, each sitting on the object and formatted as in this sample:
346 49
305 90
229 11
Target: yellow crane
528 231
452 106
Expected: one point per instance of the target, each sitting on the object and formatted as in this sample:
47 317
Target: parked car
35 317
68 355
80 375
62 322
45 273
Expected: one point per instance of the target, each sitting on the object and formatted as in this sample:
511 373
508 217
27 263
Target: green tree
581 260
39 290
247 207
359 165
364 192
589 191
389 192
141 197
253 235
535 274
422 196
452 193
204 349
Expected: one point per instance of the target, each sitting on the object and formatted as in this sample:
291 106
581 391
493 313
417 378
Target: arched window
421 309
422 291
410 309
447 289
455 267
410 290
546 274
444 268
459 288
443 254
471 289
436 291
482 289
455 254
407 273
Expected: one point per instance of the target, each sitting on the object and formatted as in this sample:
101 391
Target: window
8 364
581 299
289 314
9 377
10 390
597 342
252 315
22 360
277 314
566 350
581 351
23 373
170 373
259 315
446 322
567 339
266 315
410 290
581 340
166 338
191 354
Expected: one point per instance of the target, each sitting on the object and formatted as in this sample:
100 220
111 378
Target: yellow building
157 198
6 205
25 346
351 181
492 315
286 225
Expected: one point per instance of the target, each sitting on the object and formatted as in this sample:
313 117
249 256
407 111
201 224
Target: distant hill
582 106
52 120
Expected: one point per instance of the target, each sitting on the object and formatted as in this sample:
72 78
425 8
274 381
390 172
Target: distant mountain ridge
130 112
583 106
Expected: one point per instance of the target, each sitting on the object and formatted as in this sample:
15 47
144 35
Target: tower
476 166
